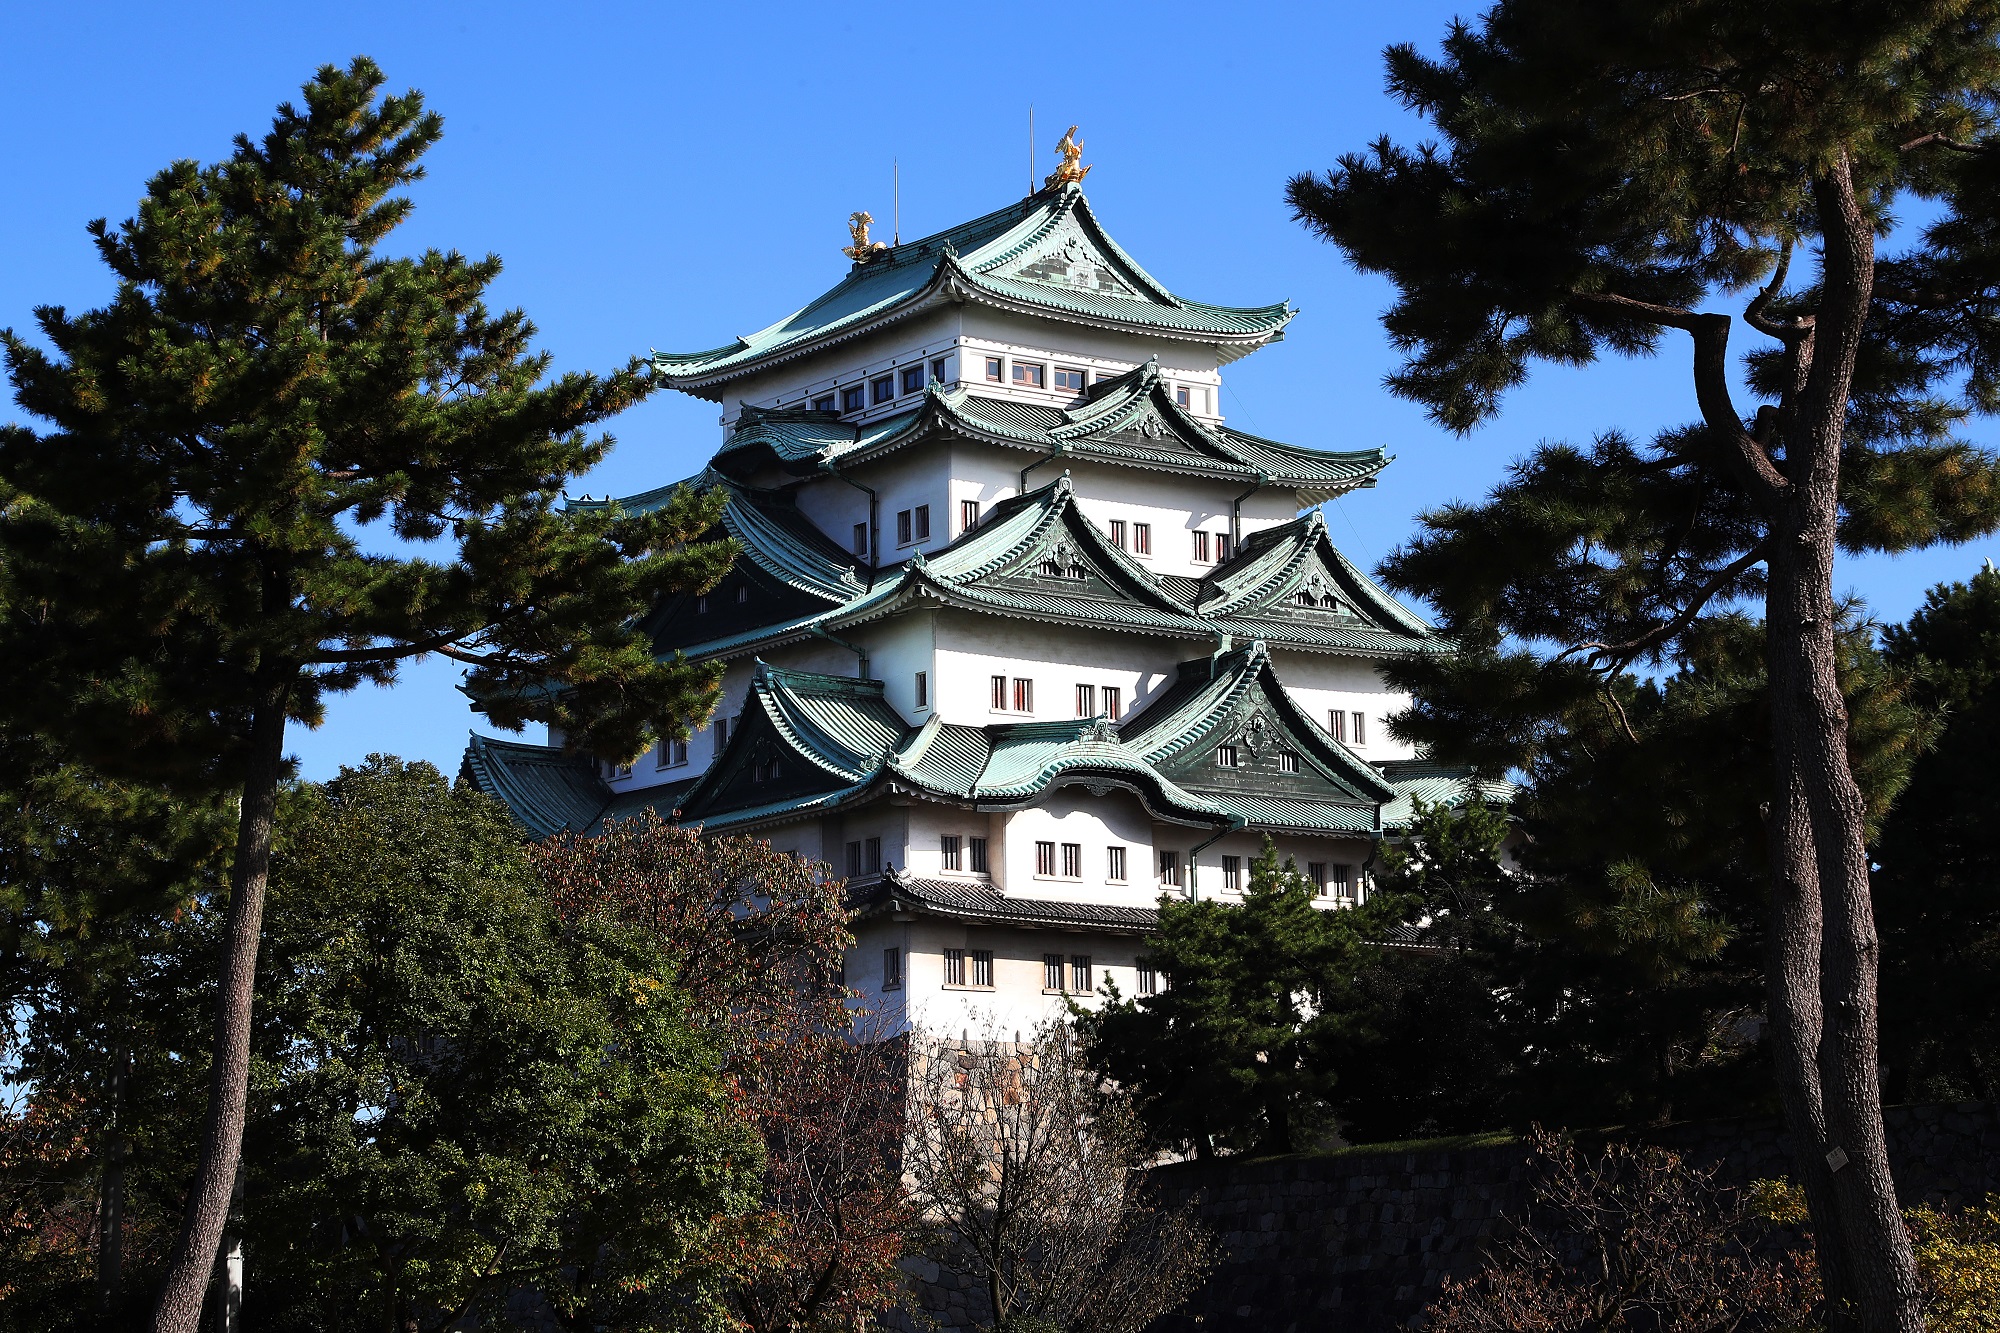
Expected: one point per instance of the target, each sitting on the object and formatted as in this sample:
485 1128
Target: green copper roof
1436 784
1046 256
1129 420
999 569
548 791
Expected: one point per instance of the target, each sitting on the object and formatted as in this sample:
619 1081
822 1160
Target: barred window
892 968
982 967
1118 533
1114 701
1343 881
954 967
853 860
1024 695
1316 872
1288 761
1337 726
1045 858
1072 860
968 515
1232 872
999 684
1145 980
1052 971
1225 756
1114 864
923 689
1170 869
1079 974
1201 548
1086 701
873 856
1142 539
949 854
978 856
922 515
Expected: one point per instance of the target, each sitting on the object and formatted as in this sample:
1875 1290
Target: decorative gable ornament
1257 733
1151 428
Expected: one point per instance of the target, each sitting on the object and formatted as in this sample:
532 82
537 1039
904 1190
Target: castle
1023 634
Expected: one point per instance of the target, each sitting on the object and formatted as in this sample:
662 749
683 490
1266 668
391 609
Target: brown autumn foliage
1632 1238
758 936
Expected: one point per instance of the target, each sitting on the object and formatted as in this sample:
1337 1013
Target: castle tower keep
1024 634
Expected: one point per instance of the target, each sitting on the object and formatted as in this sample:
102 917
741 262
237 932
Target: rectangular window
1045 858
978 850
1338 726
823 403
1201 548
883 388
1072 853
701 605
1232 872
950 851
1225 756
854 860
1028 374
968 515
760 771
892 968
1224 545
1360 728
619 770
999 694
1069 377
1117 526
982 968
1343 881
1079 974
913 378
853 398
954 967
1145 980
1114 864
993 375
1024 695
1180 395
673 754
923 689
872 856
1114 700
861 539
1316 872
1142 539
937 369
1288 761
1170 869
721 734
1052 971
1086 701
922 522
902 527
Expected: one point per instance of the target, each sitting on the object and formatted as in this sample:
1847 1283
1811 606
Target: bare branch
1757 313
1943 140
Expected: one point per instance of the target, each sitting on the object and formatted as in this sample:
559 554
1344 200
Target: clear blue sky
669 176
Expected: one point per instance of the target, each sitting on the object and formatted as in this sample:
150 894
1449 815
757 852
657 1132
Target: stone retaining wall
1358 1242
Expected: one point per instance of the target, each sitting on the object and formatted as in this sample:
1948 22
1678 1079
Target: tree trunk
1823 947
111 1196
178 1309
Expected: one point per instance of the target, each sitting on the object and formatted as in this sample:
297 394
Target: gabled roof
1436 784
1129 420
548 791
1234 698
1046 256
997 569
774 535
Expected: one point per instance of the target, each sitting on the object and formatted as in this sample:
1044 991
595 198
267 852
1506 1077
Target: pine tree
185 560
1606 174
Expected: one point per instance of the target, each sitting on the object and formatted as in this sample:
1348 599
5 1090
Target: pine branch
1615 657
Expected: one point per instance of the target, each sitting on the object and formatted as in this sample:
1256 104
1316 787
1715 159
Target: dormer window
1070 378
883 387
823 403
913 379
1029 374
852 399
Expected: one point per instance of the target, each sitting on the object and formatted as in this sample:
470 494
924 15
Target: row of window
880 388
742 596
1142 536
1335 878
972 969
913 526
957 852
1070 379
1065 861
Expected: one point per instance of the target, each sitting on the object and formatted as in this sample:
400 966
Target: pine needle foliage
279 463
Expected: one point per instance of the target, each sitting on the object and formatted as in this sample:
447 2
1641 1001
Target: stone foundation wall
1359 1242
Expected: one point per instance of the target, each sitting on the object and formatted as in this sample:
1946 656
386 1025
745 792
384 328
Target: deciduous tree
189 553
1606 176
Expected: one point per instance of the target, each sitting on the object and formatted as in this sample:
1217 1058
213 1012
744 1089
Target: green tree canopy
1609 176
1237 1052
279 463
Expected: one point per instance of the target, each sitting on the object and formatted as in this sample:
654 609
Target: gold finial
1071 149
863 249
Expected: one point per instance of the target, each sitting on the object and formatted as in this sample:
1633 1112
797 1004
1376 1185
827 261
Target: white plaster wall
973 648
856 361
1352 851
1319 683
927 822
898 648
1017 1001
1096 823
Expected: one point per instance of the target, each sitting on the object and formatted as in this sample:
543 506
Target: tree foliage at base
1239 1051
1031 1171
